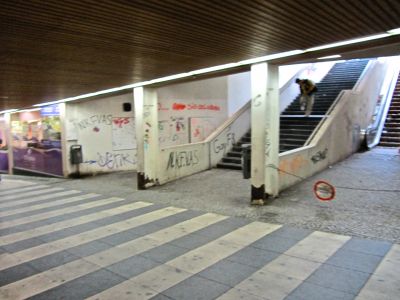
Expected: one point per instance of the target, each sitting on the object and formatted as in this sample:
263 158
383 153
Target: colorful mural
3 147
37 141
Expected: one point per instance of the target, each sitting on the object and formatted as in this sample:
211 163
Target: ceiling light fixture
349 42
28 110
330 56
8 111
394 31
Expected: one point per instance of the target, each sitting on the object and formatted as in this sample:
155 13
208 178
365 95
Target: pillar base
258 195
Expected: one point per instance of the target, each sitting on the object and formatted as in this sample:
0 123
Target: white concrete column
272 133
146 115
7 122
64 149
264 132
8 118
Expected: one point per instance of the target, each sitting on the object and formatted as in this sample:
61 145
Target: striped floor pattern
65 244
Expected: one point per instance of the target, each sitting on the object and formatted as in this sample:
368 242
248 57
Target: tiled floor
57 243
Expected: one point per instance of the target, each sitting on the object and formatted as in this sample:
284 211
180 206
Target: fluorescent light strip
355 41
330 56
28 110
394 31
8 111
222 67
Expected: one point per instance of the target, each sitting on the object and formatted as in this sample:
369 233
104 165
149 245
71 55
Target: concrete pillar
7 119
264 132
146 117
272 133
64 149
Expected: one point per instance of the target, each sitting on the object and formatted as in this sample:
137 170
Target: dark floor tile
53 260
56 235
274 243
196 288
209 233
88 248
119 238
191 241
82 287
22 245
292 232
227 272
162 297
164 253
358 261
345 280
308 291
177 218
253 257
128 214
16 273
372 247
132 266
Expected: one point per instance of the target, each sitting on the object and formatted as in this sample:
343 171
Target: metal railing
374 131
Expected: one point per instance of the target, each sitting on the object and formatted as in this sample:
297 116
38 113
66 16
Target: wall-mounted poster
123 133
201 128
172 131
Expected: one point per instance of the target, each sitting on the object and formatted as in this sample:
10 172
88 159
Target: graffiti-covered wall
189 112
106 133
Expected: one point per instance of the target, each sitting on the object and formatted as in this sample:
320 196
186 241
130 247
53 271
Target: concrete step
387 144
234 154
391 134
230 159
392 124
390 139
229 166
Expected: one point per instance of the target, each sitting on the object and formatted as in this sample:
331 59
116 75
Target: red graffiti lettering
178 106
120 121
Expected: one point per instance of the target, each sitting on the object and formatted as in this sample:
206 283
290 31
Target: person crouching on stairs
307 90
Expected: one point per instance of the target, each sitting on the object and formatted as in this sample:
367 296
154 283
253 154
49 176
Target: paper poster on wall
123 133
172 131
201 128
71 130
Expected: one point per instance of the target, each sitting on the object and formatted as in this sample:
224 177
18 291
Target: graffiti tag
219 146
114 160
181 159
320 155
93 121
121 121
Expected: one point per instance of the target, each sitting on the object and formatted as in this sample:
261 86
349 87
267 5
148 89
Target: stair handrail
361 78
324 118
374 131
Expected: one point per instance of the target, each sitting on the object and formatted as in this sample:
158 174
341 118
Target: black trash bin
76 154
246 160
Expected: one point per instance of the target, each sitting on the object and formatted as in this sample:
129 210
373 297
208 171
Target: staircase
295 129
391 132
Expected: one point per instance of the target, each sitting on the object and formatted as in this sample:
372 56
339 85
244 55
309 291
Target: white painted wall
105 131
239 91
202 104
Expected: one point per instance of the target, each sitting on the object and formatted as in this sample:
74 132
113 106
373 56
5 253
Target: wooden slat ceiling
52 49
